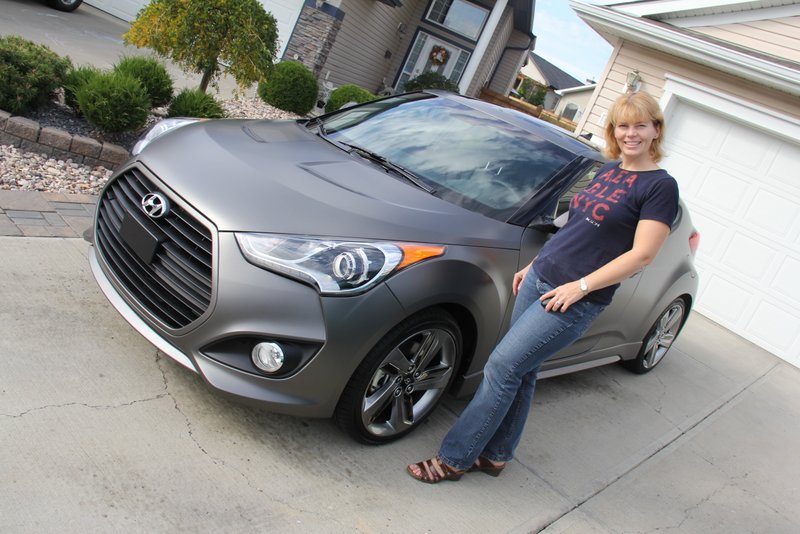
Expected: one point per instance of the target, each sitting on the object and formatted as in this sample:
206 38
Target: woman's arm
647 241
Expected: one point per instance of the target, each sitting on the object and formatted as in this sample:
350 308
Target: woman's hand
518 278
562 297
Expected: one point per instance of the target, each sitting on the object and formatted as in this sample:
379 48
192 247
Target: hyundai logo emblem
155 205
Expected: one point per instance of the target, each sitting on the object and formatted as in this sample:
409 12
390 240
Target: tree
200 36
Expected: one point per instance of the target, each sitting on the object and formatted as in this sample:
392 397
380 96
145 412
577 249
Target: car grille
175 285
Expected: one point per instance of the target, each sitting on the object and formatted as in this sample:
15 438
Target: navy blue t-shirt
602 223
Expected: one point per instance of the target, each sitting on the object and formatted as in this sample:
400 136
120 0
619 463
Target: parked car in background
65 5
359 265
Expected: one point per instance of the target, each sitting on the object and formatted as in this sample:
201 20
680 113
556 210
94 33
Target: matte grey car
359 265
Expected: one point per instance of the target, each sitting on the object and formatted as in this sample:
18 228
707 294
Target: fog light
268 357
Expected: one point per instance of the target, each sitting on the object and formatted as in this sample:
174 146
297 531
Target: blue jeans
491 424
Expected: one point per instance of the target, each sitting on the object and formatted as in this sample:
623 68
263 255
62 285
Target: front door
429 54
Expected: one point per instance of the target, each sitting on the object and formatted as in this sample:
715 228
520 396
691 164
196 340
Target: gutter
784 76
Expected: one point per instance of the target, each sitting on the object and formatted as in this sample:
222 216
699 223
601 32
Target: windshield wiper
390 166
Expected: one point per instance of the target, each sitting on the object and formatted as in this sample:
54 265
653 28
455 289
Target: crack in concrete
82 404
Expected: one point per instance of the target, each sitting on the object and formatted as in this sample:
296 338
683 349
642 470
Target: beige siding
369 30
493 52
502 78
654 65
777 37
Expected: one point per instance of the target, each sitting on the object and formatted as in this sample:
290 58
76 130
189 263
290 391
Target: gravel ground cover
26 171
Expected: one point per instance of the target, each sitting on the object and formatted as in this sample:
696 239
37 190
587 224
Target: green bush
347 93
291 87
114 101
75 79
29 72
195 103
431 80
153 75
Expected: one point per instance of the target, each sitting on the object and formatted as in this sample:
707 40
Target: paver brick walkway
35 214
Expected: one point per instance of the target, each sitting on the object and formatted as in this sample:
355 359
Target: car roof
531 124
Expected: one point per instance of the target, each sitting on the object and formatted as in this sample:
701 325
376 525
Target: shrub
75 79
431 80
29 72
347 93
153 75
195 103
291 87
114 101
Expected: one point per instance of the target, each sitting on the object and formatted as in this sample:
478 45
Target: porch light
633 82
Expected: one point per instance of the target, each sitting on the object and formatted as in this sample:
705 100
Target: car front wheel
659 339
402 379
65 5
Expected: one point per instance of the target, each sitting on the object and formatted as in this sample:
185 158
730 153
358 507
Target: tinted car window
467 157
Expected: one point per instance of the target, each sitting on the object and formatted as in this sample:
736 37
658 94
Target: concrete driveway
89 37
100 432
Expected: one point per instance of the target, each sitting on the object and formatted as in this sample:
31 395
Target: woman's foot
433 471
484 465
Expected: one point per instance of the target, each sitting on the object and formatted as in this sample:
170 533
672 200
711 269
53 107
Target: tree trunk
209 72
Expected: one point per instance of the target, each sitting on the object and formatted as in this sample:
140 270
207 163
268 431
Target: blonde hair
634 107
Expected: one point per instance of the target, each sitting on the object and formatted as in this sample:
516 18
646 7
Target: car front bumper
252 304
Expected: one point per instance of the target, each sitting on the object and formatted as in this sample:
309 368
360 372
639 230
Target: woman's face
635 137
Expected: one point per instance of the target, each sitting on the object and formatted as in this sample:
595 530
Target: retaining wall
28 135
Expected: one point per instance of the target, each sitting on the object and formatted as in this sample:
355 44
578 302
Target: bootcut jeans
491 424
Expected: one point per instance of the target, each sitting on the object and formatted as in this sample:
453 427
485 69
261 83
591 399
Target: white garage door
284 11
123 9
742 189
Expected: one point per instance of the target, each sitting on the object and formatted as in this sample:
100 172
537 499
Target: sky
567 42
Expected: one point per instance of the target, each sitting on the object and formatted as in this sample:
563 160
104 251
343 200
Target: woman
616 227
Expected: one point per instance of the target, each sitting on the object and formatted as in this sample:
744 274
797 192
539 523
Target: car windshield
465 156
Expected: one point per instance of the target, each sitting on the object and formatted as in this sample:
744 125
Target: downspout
532 40
483 44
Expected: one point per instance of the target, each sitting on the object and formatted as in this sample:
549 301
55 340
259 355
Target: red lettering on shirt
596 212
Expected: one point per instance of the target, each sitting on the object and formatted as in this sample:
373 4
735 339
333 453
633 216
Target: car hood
276 176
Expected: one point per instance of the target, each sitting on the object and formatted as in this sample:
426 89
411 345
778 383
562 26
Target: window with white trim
459 16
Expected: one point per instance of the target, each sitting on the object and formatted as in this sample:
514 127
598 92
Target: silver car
359 265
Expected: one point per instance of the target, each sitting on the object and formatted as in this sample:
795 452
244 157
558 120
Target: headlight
335 267
159 129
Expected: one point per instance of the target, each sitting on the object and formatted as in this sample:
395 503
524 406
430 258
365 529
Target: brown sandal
433 471
487 466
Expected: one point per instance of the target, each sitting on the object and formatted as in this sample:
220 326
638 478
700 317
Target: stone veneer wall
313 36
28 135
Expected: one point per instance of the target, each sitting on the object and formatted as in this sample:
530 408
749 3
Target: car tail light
694 242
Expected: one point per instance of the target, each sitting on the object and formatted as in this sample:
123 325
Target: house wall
369 30
372 31
653 65
502 77
777 37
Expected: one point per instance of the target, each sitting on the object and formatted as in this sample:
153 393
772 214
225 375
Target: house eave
680 44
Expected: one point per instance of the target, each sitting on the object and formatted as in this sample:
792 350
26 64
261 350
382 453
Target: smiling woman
65 5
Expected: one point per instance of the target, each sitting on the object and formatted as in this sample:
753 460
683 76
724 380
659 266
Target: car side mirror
549 225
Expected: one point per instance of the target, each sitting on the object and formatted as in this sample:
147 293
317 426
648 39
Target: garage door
123 9
284 11
742 189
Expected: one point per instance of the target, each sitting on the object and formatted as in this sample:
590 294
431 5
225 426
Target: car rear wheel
65 5
402 379
660 338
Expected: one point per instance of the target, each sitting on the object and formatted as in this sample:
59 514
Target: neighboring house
548 75
573 101
727 75
381 44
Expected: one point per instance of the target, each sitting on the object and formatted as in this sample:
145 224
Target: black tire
65 5
659 338
402 379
